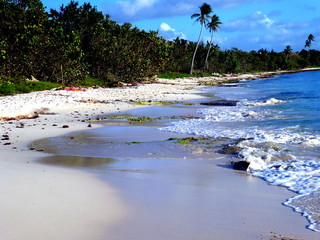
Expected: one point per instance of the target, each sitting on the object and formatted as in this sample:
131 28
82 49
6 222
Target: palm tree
202 17
309 41
287 51
213 27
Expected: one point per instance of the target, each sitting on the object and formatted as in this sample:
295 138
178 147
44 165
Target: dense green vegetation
9 86
78 45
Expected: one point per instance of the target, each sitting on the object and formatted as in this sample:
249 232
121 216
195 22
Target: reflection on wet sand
75 161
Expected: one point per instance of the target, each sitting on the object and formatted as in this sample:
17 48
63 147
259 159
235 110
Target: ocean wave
244 110
271 101
307 205
273 152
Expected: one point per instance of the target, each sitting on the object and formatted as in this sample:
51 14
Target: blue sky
247 24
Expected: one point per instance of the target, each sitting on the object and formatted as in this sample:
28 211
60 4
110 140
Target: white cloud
170 33
255 21
264 20
165 27
132 8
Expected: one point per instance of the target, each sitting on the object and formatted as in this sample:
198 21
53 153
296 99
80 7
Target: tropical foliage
77 44
74 42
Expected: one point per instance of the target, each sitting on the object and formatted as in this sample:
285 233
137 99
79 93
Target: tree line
77 41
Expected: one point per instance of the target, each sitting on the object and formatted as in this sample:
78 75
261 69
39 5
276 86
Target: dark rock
20 126
229 85
229 149
65 126
221 103
89 125
5 139
241 165
7 144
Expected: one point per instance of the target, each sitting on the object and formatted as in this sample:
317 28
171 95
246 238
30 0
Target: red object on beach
74 89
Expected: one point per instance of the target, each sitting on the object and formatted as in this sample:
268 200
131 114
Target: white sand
45 202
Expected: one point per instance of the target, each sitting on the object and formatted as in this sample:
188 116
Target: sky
246 24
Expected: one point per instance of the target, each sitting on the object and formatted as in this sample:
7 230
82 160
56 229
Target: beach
43 201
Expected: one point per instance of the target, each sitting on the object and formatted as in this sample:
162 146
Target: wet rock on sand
221 103
241 165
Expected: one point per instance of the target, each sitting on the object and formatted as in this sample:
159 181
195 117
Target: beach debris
33 79
65 126
93 101
221 103
21 125
5 137
241 165
78 89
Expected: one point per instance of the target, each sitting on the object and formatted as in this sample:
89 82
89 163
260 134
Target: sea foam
276 154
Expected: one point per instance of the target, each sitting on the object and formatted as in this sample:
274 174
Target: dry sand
45 202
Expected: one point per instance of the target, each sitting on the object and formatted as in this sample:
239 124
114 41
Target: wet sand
174 191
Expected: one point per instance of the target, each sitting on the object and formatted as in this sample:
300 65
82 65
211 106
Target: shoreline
55 113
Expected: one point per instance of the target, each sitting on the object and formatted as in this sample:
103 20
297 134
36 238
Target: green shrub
90 82
10 86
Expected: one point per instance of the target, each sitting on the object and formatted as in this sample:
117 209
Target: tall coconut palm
287 51
213 26
201 17
309 41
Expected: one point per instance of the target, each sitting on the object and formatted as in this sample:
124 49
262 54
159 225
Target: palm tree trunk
207 64
195 51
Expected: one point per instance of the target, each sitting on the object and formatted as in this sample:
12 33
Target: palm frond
195 15
214 24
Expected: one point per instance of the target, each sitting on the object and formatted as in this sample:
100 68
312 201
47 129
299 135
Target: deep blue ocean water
280 119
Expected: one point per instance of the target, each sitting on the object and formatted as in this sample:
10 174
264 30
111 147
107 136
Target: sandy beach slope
46 202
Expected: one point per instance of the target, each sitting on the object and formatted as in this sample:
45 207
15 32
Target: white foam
306 204
271 101
267 148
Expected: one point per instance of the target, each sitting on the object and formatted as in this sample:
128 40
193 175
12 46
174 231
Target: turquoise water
280 119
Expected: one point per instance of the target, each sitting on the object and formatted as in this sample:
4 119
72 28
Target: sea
276 127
